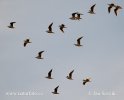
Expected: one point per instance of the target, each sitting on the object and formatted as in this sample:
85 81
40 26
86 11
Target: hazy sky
101 57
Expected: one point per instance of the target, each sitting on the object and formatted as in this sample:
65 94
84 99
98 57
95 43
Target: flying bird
61 27
110 7
70 75
116 9
39 55
86 81
49 74
11 25
78 42
56 90
73 17
91 11
50 28
26 42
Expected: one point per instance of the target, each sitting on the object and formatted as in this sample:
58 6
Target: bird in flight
73 17
78 42
50 28
49 74
116 9
56 90
70 75
86 81
110 7
39 55
26 42
11 25
61 27
91 11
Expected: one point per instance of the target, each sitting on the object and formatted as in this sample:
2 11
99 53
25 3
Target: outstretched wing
109 9
49 73
11 23
78 40
25 44
84 82
70 74
56 89
73 15
115 10
40 53
50 27
92 7
61 28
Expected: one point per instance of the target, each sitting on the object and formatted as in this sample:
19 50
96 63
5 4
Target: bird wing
55 90
84 82
73 15
92 7
49 74
50 27
25 44
78 40
78 15
115 10
70 74
11 23
61 28
40 53
109 9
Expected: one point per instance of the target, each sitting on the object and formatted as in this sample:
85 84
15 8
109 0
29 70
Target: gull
56 90
86 80
70 75
73 16
49 74
11 25
116 9
91 11
39 55
50 28
78 16
26 42
110 7
61 27
78 42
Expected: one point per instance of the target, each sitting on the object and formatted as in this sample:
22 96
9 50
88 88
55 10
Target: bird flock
74 16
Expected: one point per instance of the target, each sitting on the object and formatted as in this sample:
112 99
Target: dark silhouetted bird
50 28
73 16
110 7
116 9
70 75
91 11
11 25
39 55
61 27
49 74
26 42
78 42
86 80
56 90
